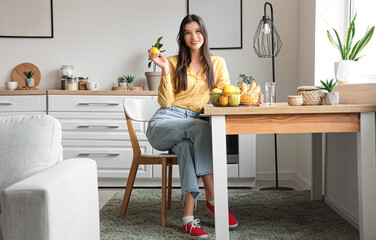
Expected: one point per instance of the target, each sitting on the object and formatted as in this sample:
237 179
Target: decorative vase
347 71
331 98
153 80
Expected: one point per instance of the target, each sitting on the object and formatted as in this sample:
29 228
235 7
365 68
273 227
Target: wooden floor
106 194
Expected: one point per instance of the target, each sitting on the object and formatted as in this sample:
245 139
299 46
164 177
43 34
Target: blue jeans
179 131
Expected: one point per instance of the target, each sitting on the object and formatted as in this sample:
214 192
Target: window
365 18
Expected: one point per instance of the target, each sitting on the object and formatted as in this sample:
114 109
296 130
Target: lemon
228 90
216 90
155 50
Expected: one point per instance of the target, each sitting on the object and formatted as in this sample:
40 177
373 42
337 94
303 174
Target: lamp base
276 189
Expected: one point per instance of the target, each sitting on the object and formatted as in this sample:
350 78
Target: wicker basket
313 97
126 88
295 100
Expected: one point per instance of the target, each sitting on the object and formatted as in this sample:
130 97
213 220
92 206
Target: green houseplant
121 81
346 48
29 81
330 97
153 78
246 79
346 70
124 80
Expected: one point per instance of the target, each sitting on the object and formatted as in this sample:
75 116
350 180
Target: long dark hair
185 55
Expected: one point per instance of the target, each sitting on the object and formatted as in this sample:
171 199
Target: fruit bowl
234 99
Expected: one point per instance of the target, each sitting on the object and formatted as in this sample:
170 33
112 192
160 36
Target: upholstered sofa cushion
28 145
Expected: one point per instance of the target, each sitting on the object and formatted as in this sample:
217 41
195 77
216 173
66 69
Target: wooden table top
284 108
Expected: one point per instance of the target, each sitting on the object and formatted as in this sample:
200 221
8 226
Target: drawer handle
6 103
98 154
98 126
115 103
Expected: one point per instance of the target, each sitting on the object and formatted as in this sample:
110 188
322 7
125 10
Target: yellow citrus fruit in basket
223 100
228 90
155 50
216 90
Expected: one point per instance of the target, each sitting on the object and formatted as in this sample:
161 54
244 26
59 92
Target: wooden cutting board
19 76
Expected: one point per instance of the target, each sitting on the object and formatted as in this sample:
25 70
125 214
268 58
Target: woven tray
126 88
28 88
313 97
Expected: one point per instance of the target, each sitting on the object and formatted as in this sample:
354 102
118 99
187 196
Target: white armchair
43 197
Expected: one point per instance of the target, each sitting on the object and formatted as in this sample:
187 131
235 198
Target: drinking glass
270 93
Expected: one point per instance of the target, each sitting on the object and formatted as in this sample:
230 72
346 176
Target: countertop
80 92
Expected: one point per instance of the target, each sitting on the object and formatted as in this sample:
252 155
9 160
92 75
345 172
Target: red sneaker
231 220
193 228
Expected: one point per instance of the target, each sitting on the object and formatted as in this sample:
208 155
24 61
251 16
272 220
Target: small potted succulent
29 81
121 81
129 79
153 78
125 80
330 97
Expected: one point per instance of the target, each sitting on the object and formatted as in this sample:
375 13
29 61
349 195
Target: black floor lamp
267 44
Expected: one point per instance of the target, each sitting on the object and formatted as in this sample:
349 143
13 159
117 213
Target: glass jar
82 83
71 83
67 70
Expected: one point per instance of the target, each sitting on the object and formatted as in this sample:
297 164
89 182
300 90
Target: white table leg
218 126
316 191
367 176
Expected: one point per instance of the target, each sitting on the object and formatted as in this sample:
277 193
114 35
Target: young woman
183 92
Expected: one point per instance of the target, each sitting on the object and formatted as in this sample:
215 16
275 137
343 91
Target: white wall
104 39
306 73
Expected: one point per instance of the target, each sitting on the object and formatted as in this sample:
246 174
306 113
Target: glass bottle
82 83
71 83
67 70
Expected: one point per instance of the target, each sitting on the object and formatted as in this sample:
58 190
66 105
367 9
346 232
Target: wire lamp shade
266 41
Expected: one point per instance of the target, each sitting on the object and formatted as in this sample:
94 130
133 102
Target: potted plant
129 79
153 78
330 97
349 53
29 81
121 81
246 79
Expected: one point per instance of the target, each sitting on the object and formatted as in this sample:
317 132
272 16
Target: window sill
361 93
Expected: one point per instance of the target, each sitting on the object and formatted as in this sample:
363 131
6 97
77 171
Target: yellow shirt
196 96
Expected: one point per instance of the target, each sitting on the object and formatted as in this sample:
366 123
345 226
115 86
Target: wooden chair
141 110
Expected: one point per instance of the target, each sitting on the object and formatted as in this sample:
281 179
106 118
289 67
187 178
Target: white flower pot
331 98
123 84
348 71
153 80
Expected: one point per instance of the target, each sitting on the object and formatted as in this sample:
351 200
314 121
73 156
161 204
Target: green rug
261 215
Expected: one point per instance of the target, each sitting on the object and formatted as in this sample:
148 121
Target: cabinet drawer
31 103
87 103
112 161
89 125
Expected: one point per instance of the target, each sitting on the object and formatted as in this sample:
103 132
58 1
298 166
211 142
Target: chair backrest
141 110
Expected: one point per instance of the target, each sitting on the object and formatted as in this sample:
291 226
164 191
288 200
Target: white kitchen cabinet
94 126
14 105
